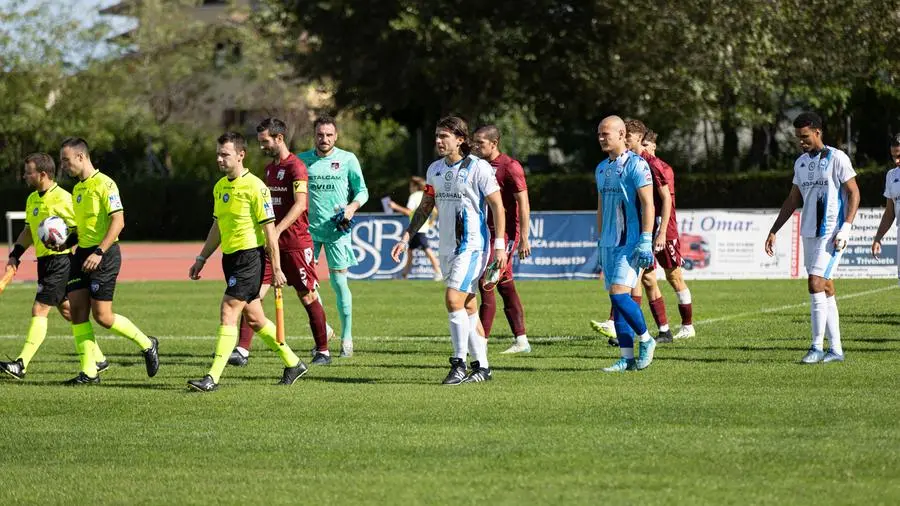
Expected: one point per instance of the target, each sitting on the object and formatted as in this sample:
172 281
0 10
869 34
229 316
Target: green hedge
177 210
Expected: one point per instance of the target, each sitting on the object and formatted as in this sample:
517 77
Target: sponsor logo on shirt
274 189
267 207
115 203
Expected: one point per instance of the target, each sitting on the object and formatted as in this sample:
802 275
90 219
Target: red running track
152 262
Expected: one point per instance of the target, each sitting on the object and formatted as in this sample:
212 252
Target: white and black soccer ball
53 232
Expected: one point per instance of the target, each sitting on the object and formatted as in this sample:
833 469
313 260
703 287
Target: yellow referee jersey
54 202
95 200
242 206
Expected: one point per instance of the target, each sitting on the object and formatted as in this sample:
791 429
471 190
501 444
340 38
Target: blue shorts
617 267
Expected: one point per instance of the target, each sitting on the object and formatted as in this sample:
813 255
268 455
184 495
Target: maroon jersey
663 176
284 179
511 178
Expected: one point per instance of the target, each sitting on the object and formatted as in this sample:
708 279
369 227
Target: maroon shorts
511 249
670 256
298 268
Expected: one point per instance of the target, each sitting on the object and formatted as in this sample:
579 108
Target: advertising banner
715 244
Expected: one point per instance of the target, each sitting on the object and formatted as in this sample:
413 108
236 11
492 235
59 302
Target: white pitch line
534 339
789 306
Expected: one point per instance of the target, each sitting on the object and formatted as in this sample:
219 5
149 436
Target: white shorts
462 272
820 257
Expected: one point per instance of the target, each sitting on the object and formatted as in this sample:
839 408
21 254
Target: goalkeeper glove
643 253
341 223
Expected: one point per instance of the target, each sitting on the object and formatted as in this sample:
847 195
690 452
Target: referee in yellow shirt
95 264
47 199
244 222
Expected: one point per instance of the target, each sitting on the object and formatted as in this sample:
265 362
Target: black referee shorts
244 273
53 272
102 282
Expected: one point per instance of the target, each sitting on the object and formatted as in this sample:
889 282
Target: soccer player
514 193
625 222
336 191
100 218
825 186
47 199
460 184
666 248
244 222
649 142
287 181
418 240
892 196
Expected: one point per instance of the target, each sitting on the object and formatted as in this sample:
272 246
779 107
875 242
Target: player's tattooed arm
418 218
791 203
420 215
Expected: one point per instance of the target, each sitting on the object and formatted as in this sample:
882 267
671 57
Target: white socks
477 342
684 296
818 310
522 340
627 352
833 325
644 338
459 333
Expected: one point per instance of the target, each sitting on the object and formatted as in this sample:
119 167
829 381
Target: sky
86 11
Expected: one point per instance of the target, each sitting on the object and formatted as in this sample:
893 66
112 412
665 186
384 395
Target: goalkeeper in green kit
336 191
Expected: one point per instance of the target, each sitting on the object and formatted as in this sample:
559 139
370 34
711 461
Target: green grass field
728 417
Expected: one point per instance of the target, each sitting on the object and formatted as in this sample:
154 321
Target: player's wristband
17 252
499 243
646 237
846 227
200 258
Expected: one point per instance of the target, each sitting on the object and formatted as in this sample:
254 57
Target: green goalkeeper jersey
334 181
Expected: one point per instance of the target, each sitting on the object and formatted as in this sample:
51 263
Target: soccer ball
53 232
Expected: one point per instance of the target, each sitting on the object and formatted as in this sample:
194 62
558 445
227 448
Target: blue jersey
617 183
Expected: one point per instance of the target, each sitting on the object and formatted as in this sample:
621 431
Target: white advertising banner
730 244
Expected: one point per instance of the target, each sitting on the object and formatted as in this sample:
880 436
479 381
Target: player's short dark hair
895 141
324 120
274 125
240 144
635 126
42 163
808 119
78 144
489 131
458 127
417 182
650 136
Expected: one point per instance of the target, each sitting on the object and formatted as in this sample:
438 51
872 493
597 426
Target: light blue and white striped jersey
459 194
617 183
819 178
